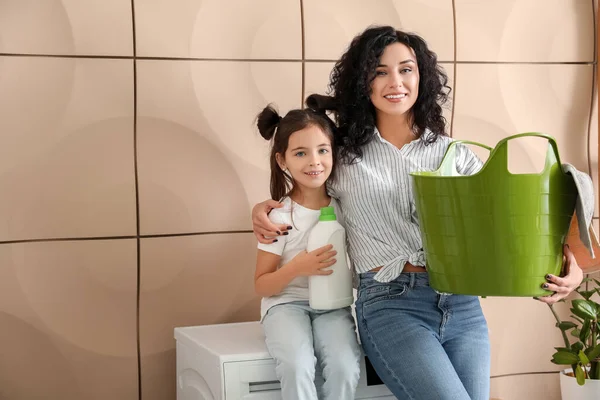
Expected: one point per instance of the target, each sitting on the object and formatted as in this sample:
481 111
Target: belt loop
411 284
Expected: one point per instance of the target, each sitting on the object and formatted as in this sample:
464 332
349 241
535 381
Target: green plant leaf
597 281
584 309
583 358
565 325
584 332
586 294
579 375
593 353
575 332
562 349
564 358
576 347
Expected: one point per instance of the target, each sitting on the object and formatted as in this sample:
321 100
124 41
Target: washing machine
231 362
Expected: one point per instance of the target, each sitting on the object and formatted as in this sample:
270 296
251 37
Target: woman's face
395 88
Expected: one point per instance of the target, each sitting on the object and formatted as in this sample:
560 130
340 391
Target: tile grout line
595 90
303 49
594 94
274 60
525 373
137 204
594 82
66 239
589 128
124 237
595 27
454 70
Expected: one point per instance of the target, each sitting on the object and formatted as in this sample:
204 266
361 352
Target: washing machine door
191 386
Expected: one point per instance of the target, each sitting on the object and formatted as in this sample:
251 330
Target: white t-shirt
302 220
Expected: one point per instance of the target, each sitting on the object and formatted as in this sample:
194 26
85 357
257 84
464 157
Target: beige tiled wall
130 163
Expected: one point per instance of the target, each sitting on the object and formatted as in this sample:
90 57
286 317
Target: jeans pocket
398 290
383 292
373 291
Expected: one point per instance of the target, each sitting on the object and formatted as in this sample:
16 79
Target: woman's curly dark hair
350 86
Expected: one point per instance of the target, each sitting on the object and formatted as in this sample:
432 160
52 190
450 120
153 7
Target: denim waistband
411 279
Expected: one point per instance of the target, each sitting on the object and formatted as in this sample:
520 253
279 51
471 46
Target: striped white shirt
375 195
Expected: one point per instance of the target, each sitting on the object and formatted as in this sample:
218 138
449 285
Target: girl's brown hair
279 129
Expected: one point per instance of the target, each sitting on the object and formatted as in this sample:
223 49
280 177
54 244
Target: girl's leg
289 340
336 346
400 325
467 344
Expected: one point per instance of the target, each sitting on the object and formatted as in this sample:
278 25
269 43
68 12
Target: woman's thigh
467 344
399 325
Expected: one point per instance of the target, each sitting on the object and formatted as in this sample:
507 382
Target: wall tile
524 30
330 25
193 280
202 164
81 27
67 169
496 101
260 29
68 317
522 334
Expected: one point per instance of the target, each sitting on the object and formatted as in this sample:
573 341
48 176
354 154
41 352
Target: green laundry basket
494 233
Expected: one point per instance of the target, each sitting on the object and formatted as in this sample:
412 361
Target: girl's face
395 88
308 158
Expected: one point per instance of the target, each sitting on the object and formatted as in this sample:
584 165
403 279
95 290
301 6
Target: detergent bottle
329 292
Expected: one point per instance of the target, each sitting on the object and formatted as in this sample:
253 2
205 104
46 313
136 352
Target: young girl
302 160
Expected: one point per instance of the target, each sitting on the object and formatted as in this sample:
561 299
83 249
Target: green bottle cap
327 214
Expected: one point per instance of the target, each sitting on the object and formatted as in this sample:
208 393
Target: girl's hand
307 264
562 287
262 225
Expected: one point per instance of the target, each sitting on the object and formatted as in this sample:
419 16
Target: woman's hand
563 286
264 230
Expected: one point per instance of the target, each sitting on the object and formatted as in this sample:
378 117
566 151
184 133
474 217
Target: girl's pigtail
267 122
321 104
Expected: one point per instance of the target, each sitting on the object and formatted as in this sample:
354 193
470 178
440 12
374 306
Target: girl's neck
311 198
396 129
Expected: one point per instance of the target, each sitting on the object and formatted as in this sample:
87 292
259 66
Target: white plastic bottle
329 292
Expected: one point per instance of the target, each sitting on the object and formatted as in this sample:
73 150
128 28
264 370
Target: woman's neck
396 129
311 198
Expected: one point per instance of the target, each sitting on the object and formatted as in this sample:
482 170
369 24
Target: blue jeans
295 334
424 345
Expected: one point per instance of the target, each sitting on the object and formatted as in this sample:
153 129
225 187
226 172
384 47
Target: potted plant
582 380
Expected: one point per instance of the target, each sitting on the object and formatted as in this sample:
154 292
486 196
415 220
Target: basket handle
500 153
448 164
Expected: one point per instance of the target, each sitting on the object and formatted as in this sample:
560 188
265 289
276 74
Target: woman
387 92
